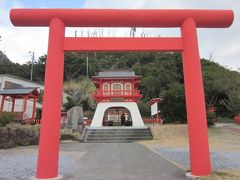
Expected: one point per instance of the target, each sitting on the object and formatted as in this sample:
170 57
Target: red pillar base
56 178
189 175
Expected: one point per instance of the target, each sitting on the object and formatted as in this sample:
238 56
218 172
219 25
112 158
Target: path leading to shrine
128 161
122 161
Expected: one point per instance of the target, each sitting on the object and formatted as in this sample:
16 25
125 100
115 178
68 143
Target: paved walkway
122 161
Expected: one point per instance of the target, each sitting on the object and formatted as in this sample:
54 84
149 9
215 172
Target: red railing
87 122
237 119
32 121
117 93
64 119
153 121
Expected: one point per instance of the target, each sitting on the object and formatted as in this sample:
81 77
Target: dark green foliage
211 119
6 118
162 77
222 88
39 113
173 104
144 109
68 137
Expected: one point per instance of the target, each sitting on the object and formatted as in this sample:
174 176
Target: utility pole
133 32
87 65
87 57
32 59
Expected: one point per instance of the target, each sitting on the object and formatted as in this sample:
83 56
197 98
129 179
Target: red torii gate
187 20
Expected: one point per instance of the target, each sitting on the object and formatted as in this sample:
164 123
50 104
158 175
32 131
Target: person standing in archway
123 119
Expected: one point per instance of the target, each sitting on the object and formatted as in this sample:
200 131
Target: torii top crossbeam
122 18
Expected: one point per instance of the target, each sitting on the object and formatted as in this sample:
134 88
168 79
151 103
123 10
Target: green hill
162 77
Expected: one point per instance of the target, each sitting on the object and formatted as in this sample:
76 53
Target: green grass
218 173
224 120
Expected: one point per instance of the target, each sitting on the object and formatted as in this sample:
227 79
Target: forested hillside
162 77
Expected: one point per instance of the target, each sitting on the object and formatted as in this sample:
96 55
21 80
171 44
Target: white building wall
16 80
131 106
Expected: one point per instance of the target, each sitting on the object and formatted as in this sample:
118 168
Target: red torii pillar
195 101
187 20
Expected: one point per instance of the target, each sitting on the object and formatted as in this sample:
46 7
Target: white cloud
18 41
223 44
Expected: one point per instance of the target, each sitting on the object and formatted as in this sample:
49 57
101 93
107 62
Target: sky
221 45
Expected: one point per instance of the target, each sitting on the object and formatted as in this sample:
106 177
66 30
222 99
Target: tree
80 93
173 105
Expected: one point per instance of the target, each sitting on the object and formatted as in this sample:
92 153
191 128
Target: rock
5 138
75 118
25 136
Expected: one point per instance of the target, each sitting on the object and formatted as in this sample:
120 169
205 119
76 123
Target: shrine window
128 88
117 87
106 88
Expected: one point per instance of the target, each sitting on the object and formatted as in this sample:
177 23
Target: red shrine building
116 94
20 94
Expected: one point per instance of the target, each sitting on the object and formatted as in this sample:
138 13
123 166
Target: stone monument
75 118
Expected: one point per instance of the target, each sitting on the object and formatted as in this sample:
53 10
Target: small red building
24 94
116 93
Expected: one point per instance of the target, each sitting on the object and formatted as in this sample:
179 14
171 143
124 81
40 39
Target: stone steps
120 134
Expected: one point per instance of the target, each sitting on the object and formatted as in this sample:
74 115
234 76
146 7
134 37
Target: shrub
39 113
67 134
6 118
173 104
211 119
68 137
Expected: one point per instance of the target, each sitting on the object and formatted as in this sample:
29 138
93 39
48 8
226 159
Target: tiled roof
17 91
116 73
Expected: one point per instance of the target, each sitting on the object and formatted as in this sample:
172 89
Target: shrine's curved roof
117 73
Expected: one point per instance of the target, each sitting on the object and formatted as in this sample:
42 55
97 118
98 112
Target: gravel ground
21 164
220 160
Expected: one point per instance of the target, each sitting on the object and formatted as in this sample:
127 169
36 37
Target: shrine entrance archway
113 117
132 107
187 20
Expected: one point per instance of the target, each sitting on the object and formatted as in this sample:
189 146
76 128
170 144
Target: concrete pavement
122 161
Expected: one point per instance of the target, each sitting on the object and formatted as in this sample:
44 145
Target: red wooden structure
20 93
237 119
117 85
187 20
